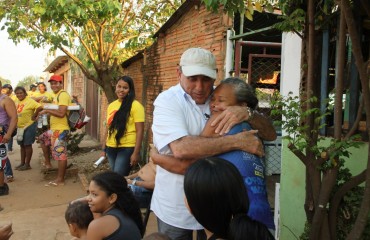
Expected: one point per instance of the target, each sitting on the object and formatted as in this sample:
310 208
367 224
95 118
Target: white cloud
21 60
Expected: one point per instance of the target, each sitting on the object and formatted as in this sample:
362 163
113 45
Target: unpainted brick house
154 69
76 84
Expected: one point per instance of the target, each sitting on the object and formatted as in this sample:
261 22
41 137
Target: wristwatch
133 182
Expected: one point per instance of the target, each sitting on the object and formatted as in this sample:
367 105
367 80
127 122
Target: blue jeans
179 233
10 144
142 195
119 159
8 171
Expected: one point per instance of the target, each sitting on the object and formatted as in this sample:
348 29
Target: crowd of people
207 147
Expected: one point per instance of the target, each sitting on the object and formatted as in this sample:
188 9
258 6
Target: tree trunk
108 85
361 219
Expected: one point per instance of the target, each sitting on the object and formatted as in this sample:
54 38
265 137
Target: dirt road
36 211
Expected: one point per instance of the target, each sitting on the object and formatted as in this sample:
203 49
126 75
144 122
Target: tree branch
298 154
357 120
337 198
88 49
80 64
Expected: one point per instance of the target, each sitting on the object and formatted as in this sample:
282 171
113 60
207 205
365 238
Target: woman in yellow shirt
27 110
125 128
42 96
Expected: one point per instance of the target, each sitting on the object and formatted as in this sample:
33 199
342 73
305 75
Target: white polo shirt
175 115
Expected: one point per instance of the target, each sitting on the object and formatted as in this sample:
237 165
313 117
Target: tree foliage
27 81
97 35
5 81
309 19
246 7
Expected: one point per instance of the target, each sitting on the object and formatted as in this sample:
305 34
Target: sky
19 61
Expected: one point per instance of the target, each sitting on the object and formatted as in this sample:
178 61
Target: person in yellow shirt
8 90
32 92
56 137
125 128
42 96
27 110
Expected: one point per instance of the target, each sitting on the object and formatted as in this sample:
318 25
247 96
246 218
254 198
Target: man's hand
6 231
228 118
250 142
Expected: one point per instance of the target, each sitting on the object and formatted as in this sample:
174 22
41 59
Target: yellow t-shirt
57 123
25 110
136 115
31 94
13 97
47 95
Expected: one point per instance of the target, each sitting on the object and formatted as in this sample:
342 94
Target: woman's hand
153 153
228 118
135 157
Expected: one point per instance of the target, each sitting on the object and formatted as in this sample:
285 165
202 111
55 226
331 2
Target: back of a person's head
111 182
79 213
157 236
215 192
243 227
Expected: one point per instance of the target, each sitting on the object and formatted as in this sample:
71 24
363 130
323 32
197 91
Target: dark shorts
29 135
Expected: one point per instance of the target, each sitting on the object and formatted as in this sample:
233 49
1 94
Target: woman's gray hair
244 92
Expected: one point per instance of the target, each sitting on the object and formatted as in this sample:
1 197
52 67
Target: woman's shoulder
137 103
105 224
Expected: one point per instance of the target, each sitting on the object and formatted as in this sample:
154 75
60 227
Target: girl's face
20 95
122 89
41 88
222 97
98 200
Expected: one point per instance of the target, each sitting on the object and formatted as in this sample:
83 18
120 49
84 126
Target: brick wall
156 71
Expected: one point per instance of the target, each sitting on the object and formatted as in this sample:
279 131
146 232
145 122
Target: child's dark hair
111 182
79 213
242 224
121 117
215 192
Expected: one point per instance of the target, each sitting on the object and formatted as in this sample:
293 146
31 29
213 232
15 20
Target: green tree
5 81
309 19
27 81
96 35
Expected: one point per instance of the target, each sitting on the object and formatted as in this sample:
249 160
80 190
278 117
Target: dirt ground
36 211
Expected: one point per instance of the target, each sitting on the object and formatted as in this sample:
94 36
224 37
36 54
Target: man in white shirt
179 116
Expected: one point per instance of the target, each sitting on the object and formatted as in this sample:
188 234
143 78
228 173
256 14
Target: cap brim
198 70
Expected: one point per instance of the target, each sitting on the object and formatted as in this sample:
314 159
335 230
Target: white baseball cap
198 61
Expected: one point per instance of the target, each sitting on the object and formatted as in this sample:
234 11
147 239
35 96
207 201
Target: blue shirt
253 172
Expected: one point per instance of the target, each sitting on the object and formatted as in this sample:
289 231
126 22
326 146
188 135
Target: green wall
292 189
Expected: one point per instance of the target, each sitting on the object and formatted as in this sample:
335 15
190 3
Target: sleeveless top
127 227
253 172
4 119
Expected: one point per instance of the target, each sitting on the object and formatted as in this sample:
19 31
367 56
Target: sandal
53 184
19 166
24 168
9 178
